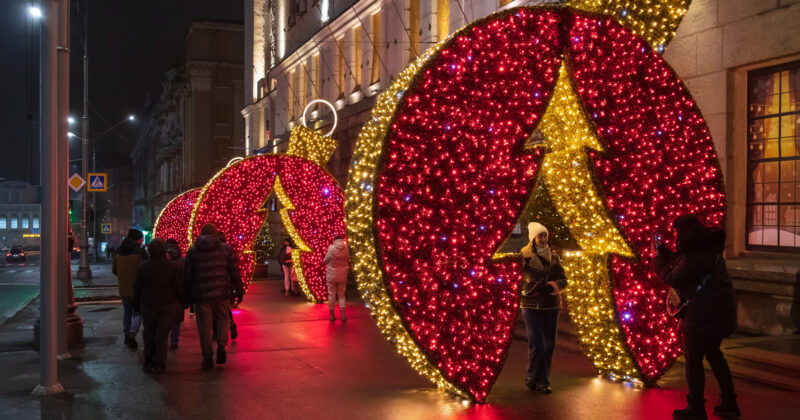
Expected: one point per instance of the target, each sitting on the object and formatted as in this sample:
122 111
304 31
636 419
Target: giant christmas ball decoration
444 167
173 221
235 199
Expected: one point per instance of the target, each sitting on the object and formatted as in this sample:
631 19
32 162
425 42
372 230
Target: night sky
131 45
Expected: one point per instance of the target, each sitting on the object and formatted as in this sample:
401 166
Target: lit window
341 68
14 222
413 14
773 143
25 221
357 61
3 222
35 223
376 50
443 19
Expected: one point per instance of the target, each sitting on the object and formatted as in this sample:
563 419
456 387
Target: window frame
750 200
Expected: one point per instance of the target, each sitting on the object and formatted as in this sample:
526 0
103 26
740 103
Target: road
19 284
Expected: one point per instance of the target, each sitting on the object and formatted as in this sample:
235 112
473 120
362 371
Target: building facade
740 59
195 127
20 215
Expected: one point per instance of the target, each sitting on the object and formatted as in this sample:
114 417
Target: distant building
195 126
20 215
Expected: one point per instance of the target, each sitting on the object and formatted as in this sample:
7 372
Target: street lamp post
84 271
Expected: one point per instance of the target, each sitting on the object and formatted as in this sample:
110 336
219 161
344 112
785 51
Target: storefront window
773 210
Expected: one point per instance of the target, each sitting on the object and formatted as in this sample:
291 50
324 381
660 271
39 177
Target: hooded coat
158 284
211 271
126 262
338 261
711 309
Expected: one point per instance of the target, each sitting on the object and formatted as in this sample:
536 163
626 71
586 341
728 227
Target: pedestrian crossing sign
105 228
98 182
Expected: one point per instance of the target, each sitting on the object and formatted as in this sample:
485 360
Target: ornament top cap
655 21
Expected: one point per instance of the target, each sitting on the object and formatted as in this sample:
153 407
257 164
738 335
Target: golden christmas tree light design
568 177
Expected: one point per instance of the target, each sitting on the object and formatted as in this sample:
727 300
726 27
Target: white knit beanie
534 229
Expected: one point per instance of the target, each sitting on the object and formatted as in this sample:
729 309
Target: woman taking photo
699 280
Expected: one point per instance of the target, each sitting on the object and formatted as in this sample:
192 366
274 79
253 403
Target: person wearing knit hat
543 279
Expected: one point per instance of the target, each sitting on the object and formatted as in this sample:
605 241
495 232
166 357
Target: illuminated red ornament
440 177
235 201
173 221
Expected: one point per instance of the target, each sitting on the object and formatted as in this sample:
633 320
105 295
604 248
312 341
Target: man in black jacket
159 295
211 272
699 274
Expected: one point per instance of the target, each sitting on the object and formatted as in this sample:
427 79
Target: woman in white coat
338 261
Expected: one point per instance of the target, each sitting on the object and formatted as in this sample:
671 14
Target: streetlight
35 12
71 120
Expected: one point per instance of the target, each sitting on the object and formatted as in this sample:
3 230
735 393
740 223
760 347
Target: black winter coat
211 270
158 283
712 310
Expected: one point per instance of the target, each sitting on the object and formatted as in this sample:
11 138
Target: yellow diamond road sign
76 182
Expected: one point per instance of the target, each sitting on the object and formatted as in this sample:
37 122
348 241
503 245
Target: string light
440 175
173 221
234 200
655 21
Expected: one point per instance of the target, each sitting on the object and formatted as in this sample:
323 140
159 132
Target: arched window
14 222
3 221
25 221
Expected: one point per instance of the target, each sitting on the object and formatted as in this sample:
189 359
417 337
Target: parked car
75 254
15 254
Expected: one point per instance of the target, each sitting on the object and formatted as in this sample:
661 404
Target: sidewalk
291 362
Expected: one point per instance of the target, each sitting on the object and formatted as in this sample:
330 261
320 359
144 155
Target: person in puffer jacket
543 279
159 296
211 272
338 260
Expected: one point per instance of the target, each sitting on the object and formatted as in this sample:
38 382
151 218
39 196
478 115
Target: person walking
233 332
158 293
211 271
543 279
126 261
285 260
338 260
174 255
698 276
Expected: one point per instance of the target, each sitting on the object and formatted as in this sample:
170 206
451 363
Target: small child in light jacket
338 261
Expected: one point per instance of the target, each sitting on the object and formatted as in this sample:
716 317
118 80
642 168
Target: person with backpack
698 276
124 265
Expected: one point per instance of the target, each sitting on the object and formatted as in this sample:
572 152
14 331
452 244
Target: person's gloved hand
544 289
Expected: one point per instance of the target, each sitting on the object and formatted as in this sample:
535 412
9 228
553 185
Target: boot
333 317
728 408
234 332
695 411
341 310
222 356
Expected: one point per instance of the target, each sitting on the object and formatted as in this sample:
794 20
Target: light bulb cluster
440 174
234 200
173 221
655 21
568 178
659 162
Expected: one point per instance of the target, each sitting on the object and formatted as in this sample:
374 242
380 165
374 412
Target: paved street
290 362
19 283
